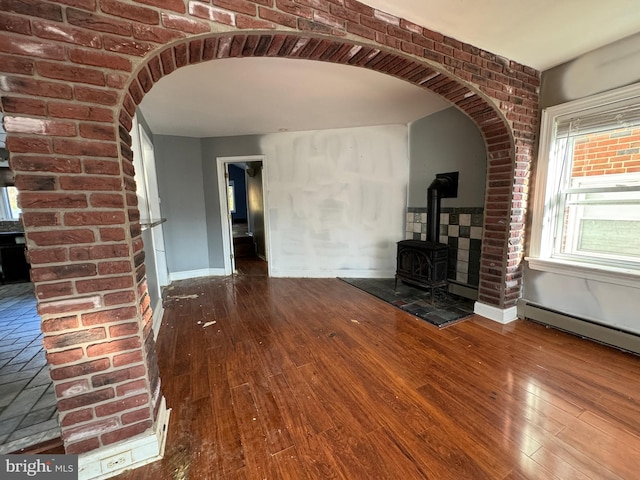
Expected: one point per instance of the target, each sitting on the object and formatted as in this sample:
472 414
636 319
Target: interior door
148 157
230 203
149 201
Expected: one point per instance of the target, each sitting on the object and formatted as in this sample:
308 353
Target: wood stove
424 263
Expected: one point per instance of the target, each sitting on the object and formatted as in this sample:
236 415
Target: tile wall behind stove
461 229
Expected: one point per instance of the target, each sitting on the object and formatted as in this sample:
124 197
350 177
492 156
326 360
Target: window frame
541 247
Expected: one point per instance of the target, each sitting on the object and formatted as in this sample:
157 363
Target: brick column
84 244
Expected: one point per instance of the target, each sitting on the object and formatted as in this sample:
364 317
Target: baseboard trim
333 273
129 454
581 327
500 315
203 272
158 313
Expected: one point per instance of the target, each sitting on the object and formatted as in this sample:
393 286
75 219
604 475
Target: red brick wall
73 73
609 153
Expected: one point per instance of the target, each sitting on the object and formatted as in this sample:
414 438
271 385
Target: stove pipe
433 209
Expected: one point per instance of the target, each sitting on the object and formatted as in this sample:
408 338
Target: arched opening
487 118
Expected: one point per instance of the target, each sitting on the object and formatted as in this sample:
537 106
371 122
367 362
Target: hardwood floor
252 265
315 379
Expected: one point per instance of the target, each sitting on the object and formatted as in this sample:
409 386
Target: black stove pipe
434 193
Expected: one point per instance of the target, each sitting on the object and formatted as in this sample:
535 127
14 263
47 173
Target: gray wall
610 67
447 141
182 193
212 148
607 68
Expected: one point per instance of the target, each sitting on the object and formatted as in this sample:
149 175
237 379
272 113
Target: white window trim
540 243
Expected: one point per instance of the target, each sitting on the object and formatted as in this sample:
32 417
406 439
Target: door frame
153 198
149 206
222 164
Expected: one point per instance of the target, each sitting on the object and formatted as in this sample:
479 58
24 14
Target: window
231 196
587 206
9 209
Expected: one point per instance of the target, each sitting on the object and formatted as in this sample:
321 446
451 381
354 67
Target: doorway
243 214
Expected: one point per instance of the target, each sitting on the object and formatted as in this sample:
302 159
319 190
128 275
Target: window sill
617 276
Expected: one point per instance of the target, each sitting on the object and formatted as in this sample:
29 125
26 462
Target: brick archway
491 122
73 73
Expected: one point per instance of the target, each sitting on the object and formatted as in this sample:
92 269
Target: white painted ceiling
244 96
256 95
537 33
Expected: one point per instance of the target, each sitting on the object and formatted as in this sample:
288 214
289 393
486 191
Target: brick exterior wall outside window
608 153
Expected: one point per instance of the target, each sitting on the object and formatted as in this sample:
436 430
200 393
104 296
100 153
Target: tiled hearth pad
442 310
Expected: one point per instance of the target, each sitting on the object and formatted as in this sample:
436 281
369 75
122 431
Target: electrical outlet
116 462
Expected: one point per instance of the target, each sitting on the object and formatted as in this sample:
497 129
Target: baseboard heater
579 326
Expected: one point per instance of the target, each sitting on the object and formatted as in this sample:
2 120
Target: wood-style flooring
315 379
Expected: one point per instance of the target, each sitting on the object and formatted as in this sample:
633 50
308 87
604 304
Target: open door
150 219
231 208
148 158
254 197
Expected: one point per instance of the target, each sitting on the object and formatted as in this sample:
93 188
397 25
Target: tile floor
28 414
441 309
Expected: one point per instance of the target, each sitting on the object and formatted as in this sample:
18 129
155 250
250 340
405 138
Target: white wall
336 200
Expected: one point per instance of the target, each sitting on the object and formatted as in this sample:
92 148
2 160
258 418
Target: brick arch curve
490 121
72 73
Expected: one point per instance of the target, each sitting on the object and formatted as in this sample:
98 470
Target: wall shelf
147 224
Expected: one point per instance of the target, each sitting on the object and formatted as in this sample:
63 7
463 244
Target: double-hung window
586 214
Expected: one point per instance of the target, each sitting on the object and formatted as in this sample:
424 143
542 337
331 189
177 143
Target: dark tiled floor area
444 309
28 414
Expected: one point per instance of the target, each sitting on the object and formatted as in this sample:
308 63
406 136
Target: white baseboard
129 454
333 273
500 315
158 312
203 272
